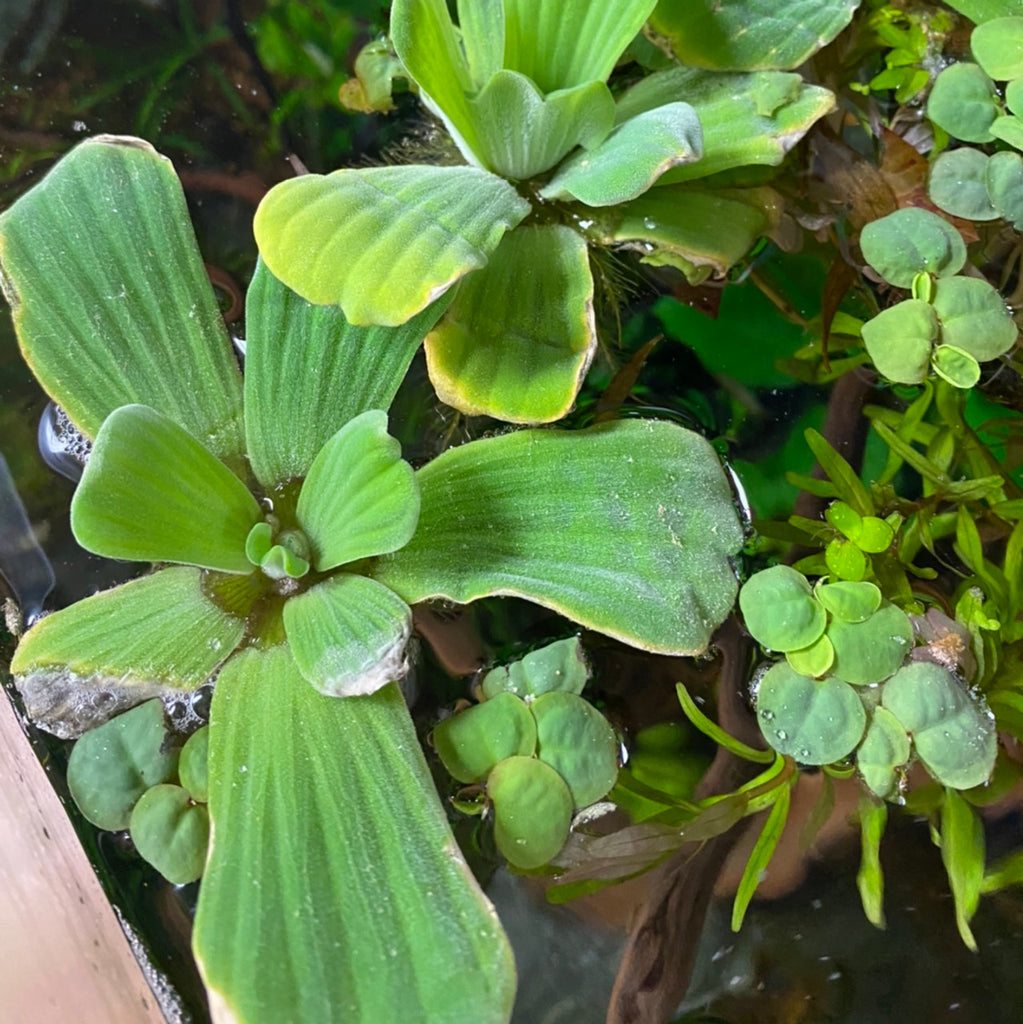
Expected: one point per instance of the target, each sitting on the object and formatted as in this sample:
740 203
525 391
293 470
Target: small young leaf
575 739
171 832
560 666
360 497
846 561
911 241
112 766
760 857
845 519
963 101
348 635
899 340
779 609
814 660
192 768
873 816
151 492
850 602
997 46
532 811
472 742
875 535
885 747
962 852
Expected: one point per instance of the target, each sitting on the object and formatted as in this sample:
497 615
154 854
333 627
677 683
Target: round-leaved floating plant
780 610
870 650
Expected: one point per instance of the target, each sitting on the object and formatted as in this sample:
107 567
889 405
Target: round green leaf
171 832
575 739
779 609
875 535
814 660
884 748
899 341
958 184
1005 185
845 519
112 766
473 741
532 810
910 241
560 666
867 652
814 721
959 368
846 561
360 497
1009 129
974 318
964 102
998 47
192 769
953 733
1014 96
848 601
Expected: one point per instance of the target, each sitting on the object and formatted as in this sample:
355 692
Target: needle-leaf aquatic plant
333 887
544 163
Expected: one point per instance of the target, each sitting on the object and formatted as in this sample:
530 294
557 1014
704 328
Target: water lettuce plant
291 539
545 163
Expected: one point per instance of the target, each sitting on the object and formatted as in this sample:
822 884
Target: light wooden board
63 956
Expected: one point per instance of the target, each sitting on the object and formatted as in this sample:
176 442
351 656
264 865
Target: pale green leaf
964 102
979 11
684 227
627 528
997 46
151 492
523 133
532 809
958 184
869 651
780 610
884 749
1004 181
953 734
1014 96
1009 129
334 887
519 335
959 368
560 666
171 833
112 766
815 721
473 742
974 317
899 340
360 497
751 34
482 28
753 118
427 45
111 302
563 43
575 739
814 660
851 602
156 636
348 635
873 816
308 372
192 767
637 153
761 854
383 242
962 853
911 241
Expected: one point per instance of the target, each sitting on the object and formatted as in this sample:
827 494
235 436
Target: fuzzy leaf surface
308 371
626 528
151 492
151 637
348 635
331 848
383 242
519 335
111 302
360 497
